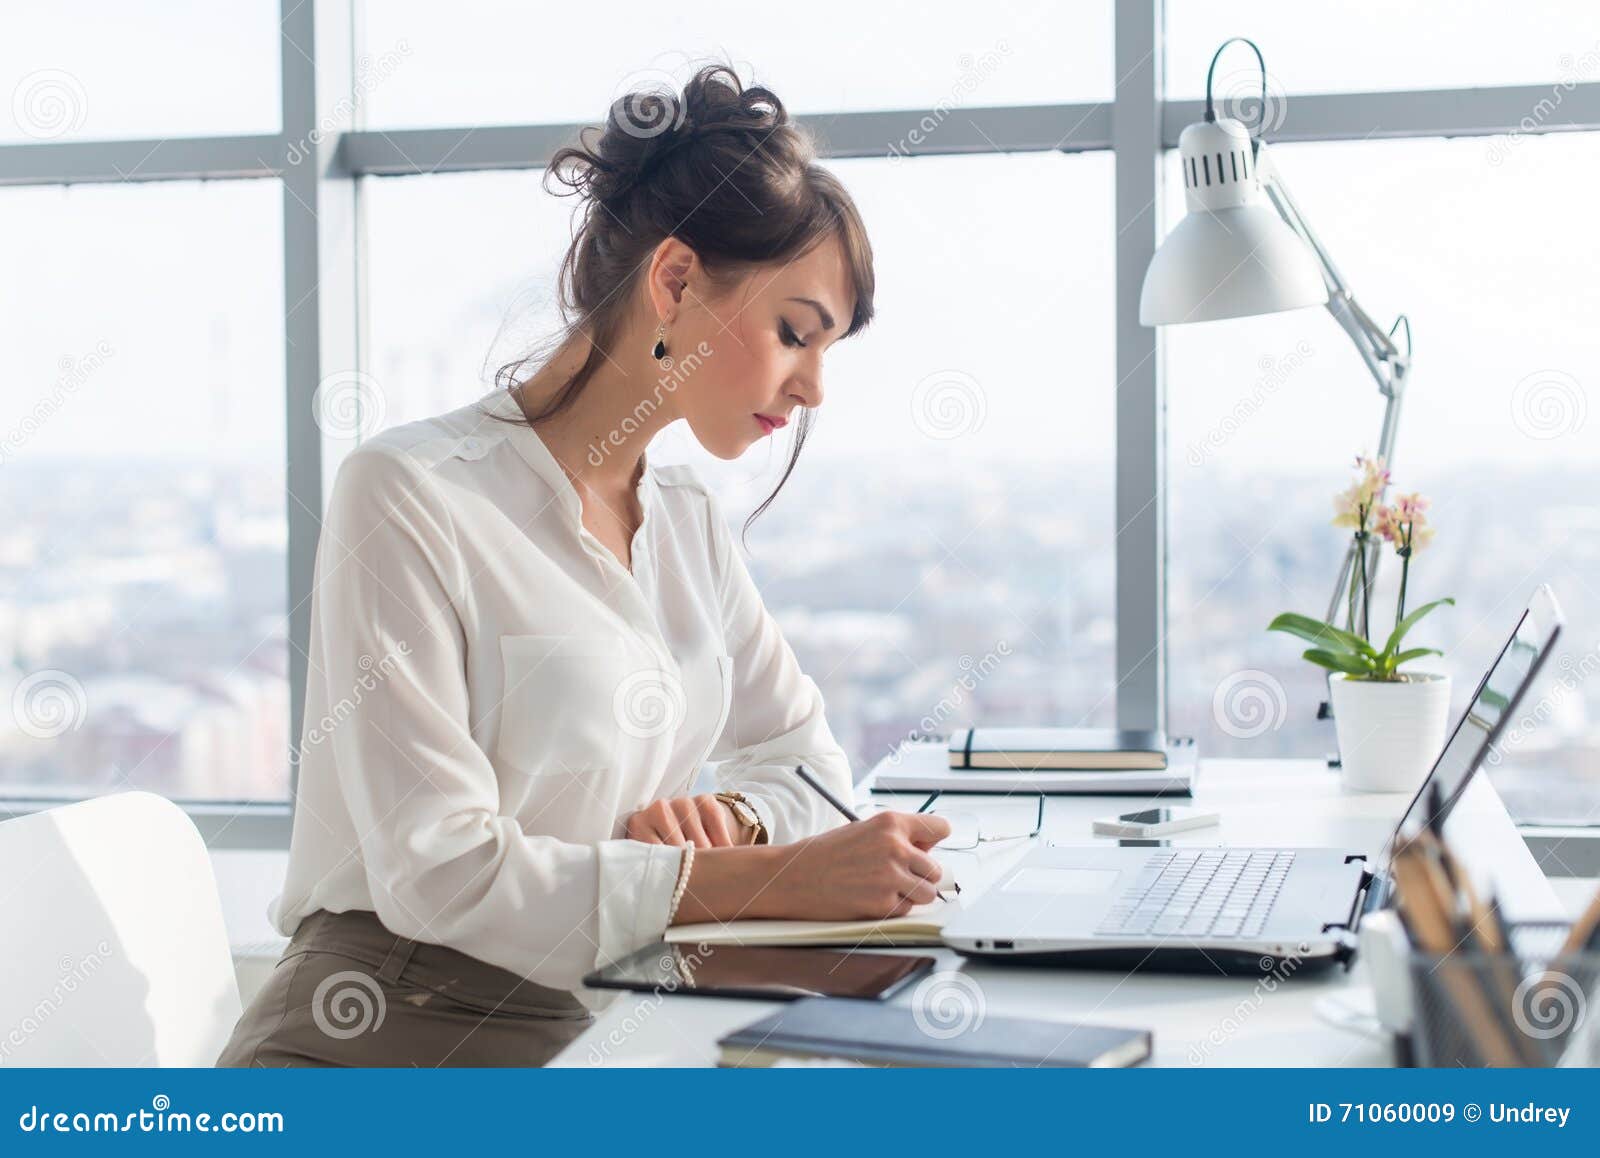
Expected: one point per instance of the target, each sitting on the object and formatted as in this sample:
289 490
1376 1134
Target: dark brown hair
719 166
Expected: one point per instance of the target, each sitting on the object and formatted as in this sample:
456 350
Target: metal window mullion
1140 418
223 824
115 162
1522 109
909 132
1559 107
321 302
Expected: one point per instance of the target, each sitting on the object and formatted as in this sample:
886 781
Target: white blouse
491 693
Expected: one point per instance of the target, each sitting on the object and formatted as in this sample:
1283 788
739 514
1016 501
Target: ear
671 267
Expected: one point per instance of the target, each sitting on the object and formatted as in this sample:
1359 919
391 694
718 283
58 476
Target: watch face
742 811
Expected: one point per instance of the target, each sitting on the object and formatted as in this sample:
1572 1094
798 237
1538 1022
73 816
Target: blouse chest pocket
712 678
557 711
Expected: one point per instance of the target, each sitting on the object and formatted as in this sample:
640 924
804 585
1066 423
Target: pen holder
1532 1006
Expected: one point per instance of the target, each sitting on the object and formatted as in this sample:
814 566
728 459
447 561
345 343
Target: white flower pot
1390 733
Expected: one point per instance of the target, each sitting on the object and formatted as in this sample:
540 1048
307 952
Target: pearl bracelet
683 882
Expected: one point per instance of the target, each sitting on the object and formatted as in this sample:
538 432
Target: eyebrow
822 312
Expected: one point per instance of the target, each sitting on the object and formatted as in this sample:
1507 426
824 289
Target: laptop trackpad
1061 882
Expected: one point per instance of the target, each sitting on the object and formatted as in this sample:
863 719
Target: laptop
1243 910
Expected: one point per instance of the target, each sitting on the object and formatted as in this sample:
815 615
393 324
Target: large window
208 218
1266 414
142 584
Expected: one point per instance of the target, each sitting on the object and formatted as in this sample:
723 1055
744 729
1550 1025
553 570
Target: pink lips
768 425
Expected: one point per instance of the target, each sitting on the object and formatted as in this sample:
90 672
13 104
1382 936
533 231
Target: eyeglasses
967 833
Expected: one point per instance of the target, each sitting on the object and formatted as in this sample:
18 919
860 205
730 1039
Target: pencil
1584 929
1425 905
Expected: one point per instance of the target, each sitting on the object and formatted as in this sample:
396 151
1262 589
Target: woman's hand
703 821
877 868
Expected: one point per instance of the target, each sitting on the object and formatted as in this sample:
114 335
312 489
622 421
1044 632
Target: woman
525 640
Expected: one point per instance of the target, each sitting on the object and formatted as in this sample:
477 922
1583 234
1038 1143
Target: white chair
112 946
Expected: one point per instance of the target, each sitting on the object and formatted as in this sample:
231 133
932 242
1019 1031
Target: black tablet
763 972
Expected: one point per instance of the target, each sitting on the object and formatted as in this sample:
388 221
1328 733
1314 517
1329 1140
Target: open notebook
918 927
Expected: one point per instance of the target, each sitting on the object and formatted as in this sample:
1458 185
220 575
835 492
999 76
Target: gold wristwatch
745 813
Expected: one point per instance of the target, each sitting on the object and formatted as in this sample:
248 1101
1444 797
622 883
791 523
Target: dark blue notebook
876 1034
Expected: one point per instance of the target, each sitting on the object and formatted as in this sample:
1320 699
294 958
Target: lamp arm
1377 349
1385 361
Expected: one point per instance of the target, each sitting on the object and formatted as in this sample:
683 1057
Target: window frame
321 151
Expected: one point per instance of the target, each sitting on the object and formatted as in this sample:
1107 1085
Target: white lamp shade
1231 256
1229 263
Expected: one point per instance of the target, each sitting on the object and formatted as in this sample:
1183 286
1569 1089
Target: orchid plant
1405 526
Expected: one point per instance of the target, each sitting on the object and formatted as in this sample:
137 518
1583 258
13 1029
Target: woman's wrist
731 883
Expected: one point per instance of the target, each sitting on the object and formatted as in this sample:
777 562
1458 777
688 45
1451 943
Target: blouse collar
533 450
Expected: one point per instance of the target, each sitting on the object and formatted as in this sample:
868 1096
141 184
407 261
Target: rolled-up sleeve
776 718
442 863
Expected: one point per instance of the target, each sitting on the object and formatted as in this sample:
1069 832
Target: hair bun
648 111
714 164
653 122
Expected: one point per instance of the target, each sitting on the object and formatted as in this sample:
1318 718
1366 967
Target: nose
806 389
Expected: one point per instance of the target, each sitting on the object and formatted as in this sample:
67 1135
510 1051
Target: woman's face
764 341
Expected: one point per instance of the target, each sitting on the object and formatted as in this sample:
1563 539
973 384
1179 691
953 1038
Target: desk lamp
1244 249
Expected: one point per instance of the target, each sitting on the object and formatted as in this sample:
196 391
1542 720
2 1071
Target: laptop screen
1486 716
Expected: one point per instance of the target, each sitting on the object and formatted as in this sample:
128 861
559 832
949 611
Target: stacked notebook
1058 749
869 1032
1092 761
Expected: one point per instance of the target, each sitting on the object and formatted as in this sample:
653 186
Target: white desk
1195 1019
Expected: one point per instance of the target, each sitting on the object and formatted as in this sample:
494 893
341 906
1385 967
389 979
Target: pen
844 810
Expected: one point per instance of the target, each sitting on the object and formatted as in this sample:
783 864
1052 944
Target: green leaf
1409 621
1414 653
1340 661
1315 631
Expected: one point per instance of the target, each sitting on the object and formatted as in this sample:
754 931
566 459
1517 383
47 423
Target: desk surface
1196 1020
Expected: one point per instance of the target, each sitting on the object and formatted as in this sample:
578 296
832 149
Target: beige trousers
347 992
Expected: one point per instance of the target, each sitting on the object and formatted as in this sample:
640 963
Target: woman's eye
787 334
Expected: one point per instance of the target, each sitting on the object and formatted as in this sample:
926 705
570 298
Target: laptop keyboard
1200 893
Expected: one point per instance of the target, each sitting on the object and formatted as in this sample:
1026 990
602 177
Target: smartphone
1156 821
765 973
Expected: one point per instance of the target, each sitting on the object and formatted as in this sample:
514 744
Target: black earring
659 350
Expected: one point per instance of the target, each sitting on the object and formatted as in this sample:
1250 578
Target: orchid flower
1354 507
1404 524
1384 524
